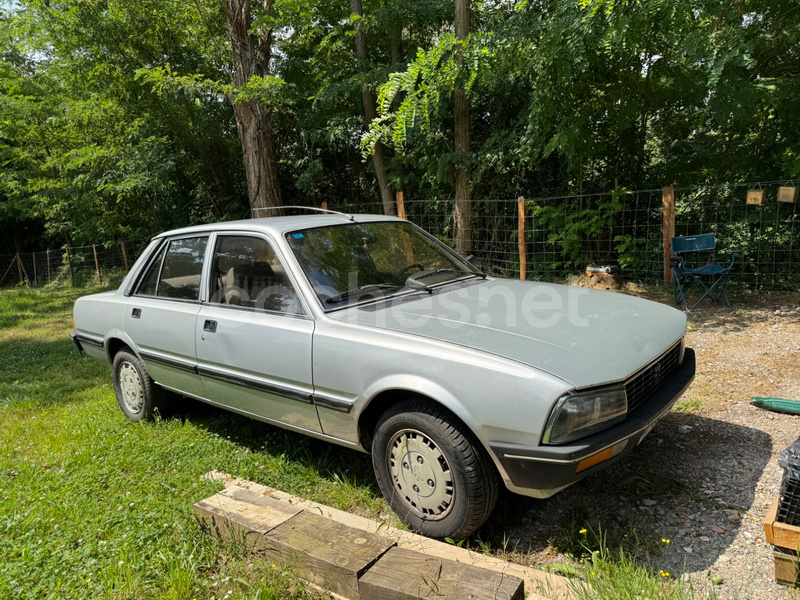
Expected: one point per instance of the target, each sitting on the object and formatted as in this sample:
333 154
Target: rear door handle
210 326
136 313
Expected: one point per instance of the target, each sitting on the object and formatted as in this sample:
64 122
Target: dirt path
708 473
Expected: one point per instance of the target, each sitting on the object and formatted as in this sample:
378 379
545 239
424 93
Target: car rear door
253 335
161 313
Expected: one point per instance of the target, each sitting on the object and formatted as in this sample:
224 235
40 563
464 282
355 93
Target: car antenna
308 208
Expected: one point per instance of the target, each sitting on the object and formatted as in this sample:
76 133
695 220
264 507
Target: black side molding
255 384
332 403
74 337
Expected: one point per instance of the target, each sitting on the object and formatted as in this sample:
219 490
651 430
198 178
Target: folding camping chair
709 279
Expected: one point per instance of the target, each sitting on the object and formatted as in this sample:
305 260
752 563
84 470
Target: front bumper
541 471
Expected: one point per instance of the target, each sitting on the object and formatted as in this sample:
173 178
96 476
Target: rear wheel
432 471
137 395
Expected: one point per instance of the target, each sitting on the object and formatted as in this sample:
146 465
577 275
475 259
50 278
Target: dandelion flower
665 540
583 531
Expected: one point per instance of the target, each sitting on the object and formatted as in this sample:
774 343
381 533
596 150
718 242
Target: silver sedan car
368 332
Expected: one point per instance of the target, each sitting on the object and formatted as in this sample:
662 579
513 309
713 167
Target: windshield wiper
448 270
361 290
415 282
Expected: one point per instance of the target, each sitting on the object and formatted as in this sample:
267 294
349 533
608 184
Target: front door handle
210 326
136 313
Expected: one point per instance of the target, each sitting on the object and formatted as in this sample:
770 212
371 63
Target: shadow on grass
331 462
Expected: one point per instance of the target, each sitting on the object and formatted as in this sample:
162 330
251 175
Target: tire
432 471
138 396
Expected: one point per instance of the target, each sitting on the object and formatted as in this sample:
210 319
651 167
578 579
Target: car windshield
360 262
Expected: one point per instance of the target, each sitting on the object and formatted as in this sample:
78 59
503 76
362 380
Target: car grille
639 387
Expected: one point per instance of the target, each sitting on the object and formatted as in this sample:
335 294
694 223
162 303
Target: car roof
280 225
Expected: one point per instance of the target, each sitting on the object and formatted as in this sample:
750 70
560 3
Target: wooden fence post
48 266
35 277
96 265
401 208
522 246
668 228
124 256
23 274
71 272
324 205
19 268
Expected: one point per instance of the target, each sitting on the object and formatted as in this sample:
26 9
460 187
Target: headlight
580 413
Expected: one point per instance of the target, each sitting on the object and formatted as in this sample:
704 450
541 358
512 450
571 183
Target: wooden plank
780 534
325 552
402 574
522 247
768 522
244 515
539 584
786 567
668 228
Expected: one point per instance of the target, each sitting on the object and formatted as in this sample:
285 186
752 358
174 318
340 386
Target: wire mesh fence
75 265
561 236
624 230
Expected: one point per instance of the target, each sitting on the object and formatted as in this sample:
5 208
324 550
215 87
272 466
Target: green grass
93 506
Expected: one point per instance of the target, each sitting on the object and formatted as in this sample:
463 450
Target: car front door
253 336
160 315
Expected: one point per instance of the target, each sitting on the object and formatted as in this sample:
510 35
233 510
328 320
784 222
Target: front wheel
137 395
432 471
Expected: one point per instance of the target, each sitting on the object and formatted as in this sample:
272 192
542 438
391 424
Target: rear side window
179 275
246 272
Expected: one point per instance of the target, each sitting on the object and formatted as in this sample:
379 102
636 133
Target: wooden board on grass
240 514
324 552
402 574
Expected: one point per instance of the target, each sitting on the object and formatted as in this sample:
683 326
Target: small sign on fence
755 197
787 193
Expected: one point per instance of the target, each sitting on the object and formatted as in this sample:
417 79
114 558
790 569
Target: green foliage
583 233
117 119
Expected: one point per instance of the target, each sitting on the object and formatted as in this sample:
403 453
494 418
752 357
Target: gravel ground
708 473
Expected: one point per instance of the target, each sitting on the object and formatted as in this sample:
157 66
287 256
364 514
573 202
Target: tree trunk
462 210
371 113
251 57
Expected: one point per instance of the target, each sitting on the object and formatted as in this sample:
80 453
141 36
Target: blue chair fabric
691 274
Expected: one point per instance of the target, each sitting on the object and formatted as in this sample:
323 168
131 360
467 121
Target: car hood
585 337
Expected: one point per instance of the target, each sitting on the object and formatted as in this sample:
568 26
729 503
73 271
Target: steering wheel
404 272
